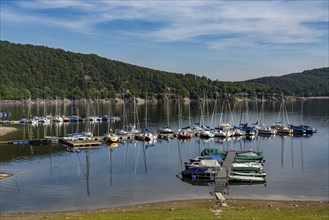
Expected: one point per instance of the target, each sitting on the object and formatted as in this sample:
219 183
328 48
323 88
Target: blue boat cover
215 157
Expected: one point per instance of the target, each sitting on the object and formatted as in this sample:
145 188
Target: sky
222 40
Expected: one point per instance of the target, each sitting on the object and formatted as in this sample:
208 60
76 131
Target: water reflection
24 152
45 177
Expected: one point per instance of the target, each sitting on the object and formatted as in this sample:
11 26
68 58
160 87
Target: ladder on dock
221 177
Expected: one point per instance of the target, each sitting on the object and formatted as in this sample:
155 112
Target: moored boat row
246 167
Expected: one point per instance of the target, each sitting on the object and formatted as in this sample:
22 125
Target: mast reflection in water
49 178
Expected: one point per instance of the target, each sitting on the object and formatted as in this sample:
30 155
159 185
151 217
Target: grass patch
250 209
195 209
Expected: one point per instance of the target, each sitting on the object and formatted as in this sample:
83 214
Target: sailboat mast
189 111
179 112
145 112
167 112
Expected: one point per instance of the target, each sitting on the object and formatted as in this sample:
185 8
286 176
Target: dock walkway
82 143
221 177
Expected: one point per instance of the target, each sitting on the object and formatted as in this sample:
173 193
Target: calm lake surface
50 178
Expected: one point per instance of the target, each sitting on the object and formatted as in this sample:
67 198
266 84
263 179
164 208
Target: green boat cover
213 151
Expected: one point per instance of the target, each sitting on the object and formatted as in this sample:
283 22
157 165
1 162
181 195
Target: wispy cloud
213 23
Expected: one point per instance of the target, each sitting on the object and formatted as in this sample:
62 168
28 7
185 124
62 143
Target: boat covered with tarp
241 156
199 172
212 161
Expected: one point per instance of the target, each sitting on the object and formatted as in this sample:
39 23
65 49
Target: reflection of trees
28 152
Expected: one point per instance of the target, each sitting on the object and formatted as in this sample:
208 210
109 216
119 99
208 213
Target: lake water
50 178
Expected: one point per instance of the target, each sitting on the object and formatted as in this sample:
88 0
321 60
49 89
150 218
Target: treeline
307 83
28 71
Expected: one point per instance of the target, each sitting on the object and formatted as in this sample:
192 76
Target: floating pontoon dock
82 143
221 177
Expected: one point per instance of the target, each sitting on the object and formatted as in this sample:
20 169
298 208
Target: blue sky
224 40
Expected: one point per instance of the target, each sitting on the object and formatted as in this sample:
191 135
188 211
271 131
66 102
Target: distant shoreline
317 97
138 100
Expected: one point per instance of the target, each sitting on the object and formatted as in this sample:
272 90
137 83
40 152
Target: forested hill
41 72
313 82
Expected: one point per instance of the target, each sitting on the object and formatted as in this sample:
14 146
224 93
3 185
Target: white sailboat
166 131
282 124
261 128
146 136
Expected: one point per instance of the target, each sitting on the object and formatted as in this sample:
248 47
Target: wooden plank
220 196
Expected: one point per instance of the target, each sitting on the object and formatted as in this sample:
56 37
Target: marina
57 175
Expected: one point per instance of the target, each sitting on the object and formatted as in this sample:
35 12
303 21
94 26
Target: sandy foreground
174 205
6 130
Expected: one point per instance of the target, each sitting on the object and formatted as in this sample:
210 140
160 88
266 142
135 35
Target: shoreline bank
210 205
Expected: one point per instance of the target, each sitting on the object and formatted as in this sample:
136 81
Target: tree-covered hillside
41 72
307 83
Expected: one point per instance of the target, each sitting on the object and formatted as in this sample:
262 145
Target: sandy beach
6 130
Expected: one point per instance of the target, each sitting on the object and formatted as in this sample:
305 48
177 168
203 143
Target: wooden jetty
7 122
82 143
221 177
44 141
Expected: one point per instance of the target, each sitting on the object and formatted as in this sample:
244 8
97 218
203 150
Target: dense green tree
42 72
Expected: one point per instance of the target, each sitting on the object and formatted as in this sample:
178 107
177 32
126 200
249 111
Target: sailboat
65 117
134 128
225 125
128 131
147 135
44 119
110 136
302 129
166 132
57 117
281 125
186 132
262 129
